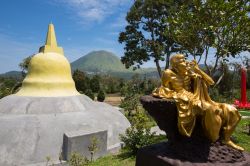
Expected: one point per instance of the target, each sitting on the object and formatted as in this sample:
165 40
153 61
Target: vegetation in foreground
126 158
242 134
123 158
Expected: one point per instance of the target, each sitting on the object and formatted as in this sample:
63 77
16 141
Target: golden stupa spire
51 44
49 73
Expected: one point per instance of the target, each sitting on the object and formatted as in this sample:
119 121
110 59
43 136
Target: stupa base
32 128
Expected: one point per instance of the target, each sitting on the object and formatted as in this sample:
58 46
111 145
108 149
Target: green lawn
122 159
115 160
244 112
241 134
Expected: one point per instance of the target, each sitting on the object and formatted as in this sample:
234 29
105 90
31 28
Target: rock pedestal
181 150
162 154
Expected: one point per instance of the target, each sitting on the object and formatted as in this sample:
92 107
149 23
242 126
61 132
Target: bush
130 103
81 81
78 160
101 96
95 83
138 135
90 94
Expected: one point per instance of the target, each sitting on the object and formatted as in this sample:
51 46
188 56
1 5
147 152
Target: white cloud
93 10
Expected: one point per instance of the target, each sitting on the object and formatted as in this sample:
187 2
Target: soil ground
113 99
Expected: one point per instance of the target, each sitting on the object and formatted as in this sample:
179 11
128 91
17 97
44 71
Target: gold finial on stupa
51 44
49 72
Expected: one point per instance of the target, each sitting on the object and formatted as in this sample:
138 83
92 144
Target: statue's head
178 62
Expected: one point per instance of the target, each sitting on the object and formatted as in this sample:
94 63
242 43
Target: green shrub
101 96
78 160
130 104
93 148
95 83
138 135
90 94
81 81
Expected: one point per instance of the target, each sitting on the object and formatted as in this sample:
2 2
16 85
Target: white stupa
34 120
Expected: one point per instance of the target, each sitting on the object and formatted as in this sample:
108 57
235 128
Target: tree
145 35
225 86
81 81
25 64
223 25
157 28
6 86
110 84
95 83
90 94
189 28
101 95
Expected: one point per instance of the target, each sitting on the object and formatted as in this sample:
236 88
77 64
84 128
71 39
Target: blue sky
81 27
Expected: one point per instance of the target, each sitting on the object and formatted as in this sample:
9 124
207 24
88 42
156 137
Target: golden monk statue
188 85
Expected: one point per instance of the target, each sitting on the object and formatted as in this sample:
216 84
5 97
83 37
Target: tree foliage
24 65
101 95
90 94
6 86
222 25
197 28
138 135
144 35
81 81
95 83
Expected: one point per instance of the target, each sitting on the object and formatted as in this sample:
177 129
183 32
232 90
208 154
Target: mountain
101 62
105 62
98 61
12 74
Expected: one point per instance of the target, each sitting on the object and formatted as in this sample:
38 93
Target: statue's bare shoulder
167 76
168 72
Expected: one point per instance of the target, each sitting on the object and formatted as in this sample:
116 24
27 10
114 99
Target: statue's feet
230 143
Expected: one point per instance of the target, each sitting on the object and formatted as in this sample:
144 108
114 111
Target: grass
124 158
241 134
244 112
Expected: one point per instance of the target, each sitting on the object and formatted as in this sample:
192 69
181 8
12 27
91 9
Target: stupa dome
49 72
34 121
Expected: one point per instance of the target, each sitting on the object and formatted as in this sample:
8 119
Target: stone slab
79 142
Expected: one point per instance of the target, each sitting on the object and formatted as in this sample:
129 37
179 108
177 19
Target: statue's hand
195 75
195 64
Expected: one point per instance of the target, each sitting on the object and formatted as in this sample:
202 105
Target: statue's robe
192 100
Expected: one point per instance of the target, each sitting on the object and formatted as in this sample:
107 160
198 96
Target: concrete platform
32 128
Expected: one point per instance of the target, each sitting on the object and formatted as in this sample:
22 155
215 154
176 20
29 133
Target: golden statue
188 85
